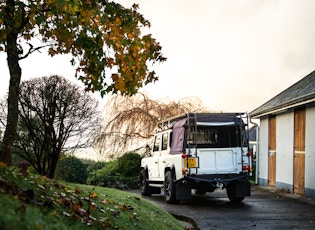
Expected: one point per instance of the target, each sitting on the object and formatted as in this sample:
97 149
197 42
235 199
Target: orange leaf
75 208
105 201
125 207
93 195
92 207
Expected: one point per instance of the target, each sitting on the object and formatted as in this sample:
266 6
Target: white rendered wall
263 151
284 149
310 149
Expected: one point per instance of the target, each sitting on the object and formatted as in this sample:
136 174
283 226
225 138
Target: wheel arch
145 167
170 167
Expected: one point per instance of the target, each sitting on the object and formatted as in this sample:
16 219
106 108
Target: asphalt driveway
266 208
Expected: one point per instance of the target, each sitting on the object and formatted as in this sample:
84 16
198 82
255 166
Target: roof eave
282 108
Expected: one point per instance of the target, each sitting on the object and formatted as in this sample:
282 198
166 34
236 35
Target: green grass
35 202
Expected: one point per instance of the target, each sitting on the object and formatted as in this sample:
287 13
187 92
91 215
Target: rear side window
164 141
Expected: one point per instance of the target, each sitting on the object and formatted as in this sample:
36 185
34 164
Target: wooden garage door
299 151
272 152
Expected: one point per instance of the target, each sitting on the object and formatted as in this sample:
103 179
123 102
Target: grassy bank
35 202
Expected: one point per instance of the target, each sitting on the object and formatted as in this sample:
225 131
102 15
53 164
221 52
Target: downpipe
258 148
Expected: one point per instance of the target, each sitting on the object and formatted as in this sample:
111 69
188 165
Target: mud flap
183 191
242 188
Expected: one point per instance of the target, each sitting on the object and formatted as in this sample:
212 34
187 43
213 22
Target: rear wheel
231 193
169 189
144 185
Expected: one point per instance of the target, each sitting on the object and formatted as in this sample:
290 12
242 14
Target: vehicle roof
205 117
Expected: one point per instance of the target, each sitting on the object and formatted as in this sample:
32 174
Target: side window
164 141
157 141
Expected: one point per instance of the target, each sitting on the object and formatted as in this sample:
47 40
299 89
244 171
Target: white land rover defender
200 151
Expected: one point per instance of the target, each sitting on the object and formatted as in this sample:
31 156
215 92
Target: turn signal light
184 171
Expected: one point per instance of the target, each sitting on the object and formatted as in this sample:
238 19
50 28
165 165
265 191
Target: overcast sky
232 54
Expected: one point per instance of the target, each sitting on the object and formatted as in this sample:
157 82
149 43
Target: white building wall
284 149
263 153
310 150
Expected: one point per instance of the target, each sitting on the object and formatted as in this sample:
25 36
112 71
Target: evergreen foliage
71 169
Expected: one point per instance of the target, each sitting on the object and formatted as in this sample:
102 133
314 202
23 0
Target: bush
121 173
129 164
119 182
71 169
97 176
96 166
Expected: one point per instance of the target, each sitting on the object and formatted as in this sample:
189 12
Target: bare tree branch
55 115
130 121
32 50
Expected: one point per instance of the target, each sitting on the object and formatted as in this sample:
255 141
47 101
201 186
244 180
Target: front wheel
169 189
144 185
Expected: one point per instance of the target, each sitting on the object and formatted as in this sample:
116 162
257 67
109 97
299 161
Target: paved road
265 209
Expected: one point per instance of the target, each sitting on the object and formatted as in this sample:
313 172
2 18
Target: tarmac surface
266 208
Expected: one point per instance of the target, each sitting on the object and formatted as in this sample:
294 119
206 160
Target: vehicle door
154 161
164 153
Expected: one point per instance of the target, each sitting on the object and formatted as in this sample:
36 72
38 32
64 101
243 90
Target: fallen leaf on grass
92 207
81 212
105 201
93 195
77 190
135 216
66 202
26 195
75 208
66 214
114 212
21 208
41 187
125 207
39 226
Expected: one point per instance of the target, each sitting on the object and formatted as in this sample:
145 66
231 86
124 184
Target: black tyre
169 189
143 183
230 190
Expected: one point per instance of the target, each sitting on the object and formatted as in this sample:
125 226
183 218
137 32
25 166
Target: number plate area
191 162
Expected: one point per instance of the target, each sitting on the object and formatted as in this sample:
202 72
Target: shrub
96 166
129 164
119 182
121 173
96 176
71 169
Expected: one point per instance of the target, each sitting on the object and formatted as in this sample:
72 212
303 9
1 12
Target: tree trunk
53 165
13 98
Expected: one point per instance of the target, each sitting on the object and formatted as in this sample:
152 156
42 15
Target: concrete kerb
287 194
